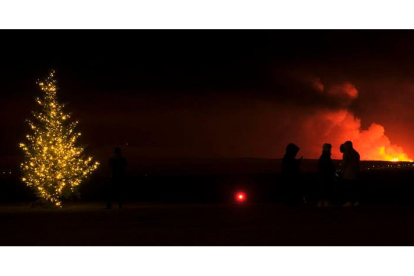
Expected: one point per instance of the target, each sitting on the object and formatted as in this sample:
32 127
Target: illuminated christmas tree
53 164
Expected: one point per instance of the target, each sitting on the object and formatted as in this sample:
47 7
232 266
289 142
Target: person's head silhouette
326 147
342 148
348 145
117 150
291 150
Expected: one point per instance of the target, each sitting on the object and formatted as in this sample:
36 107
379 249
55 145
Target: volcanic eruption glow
339 125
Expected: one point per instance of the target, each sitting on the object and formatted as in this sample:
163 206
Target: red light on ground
240 197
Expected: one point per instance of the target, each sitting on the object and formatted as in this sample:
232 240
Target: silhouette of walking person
290 176
117 165
350 168
326 169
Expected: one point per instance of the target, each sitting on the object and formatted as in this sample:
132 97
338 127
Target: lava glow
373 144
341 124
385 152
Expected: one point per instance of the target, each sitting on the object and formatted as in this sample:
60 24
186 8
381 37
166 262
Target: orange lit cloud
345 90
340 125
305 111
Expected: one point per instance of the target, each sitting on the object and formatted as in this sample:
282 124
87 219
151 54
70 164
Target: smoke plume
340 124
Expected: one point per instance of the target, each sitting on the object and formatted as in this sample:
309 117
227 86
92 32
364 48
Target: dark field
206 224
199 209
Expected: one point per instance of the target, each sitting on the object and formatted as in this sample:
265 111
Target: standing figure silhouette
342 149
290 175
117 165
350 165
327 171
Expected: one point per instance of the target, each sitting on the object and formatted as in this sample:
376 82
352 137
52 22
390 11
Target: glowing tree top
53 164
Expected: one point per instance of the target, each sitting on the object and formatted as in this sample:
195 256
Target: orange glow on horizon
339 126
393 154
336 126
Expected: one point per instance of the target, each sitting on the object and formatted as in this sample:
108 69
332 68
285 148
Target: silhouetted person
327 171
350 171
342 148
117 165
290 175
340 184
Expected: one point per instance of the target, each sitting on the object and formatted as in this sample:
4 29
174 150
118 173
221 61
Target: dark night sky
214 93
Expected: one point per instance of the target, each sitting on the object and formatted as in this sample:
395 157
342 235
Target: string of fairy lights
53 164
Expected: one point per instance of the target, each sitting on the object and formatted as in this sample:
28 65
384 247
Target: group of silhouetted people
330 185
293 189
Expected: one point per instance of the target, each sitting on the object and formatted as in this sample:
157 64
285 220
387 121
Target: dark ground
199 209
205 224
